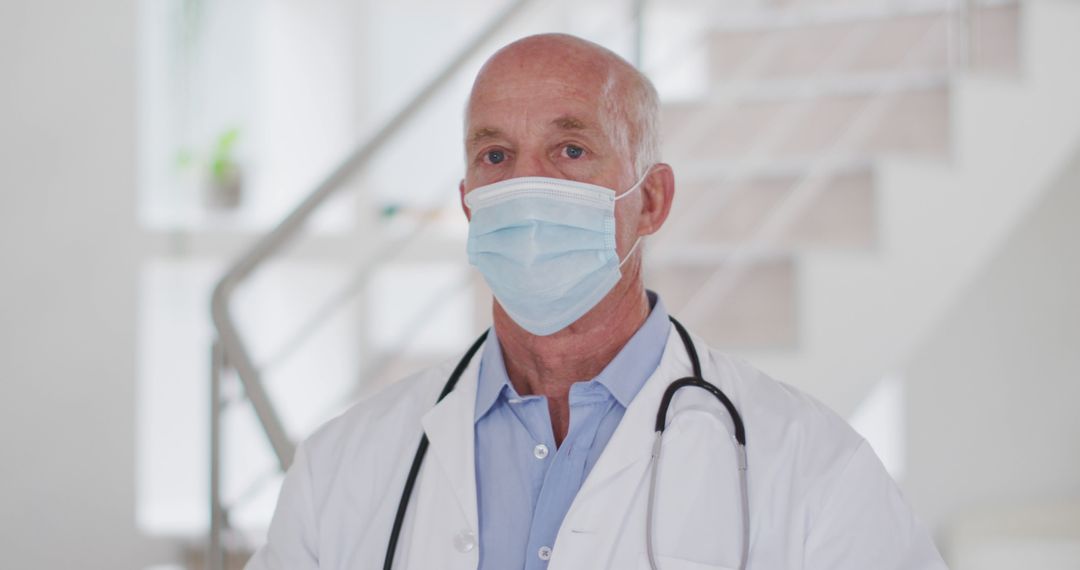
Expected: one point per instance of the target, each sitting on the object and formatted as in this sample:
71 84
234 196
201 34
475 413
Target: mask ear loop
635 186
637 242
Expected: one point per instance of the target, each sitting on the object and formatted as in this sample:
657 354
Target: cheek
477 177
627 218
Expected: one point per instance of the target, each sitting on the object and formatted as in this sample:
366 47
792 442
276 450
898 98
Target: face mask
546 247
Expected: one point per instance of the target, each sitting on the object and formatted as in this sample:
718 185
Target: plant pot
224 190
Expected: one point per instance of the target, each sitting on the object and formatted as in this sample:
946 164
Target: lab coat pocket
669 563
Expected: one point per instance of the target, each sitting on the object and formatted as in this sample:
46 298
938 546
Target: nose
534 162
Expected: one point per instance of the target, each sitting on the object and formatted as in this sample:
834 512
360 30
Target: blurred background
878 202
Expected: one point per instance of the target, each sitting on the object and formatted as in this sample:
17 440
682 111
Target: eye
494 156
573 151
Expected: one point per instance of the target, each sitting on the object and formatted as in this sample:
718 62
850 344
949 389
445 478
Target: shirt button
464 541
540 451
544 553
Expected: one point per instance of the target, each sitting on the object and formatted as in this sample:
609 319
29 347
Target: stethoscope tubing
738 439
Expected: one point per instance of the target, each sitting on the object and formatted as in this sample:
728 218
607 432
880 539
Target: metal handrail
232 345
360 279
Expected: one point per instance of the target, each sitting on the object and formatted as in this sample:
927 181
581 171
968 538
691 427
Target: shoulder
841 504
774 404
791 436
837 497
385 423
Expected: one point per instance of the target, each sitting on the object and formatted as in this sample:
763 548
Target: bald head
626 100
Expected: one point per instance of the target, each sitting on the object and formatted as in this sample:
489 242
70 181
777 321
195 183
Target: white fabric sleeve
291 542
863 522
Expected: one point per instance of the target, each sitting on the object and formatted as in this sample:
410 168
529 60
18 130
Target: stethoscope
661 425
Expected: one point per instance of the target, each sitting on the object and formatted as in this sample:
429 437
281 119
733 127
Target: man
541 456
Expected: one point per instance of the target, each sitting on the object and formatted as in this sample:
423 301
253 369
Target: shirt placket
565 471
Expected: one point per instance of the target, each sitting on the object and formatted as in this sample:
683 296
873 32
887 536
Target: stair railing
229 352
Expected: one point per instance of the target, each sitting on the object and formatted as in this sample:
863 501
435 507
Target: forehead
515 92
524 100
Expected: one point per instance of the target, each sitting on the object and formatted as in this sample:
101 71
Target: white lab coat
819 497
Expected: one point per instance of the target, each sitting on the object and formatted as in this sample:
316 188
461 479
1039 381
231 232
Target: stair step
914 122
995 39
823 85
833 47
195 557
784 15
758 311
841 213
877 43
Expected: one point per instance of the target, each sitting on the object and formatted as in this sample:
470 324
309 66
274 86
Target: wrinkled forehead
547 85
542 76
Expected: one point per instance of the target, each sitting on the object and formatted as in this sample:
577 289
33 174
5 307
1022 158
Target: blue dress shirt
524 485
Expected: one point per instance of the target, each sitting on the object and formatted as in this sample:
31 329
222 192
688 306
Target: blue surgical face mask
546 247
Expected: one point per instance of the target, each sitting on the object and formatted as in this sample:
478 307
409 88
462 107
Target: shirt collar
492 377
623 377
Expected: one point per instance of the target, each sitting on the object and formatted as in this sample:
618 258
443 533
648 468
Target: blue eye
574 152
495 156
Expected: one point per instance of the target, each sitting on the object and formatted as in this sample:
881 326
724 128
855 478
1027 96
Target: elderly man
542 455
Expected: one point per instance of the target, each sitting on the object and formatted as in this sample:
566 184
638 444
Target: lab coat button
544 553
465 541
540 451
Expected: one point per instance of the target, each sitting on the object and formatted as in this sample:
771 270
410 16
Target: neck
549 365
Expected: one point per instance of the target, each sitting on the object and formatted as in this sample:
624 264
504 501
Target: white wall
993 392
67 257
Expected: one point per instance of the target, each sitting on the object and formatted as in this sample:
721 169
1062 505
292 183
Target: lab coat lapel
632 441
449 428
441 527
587 537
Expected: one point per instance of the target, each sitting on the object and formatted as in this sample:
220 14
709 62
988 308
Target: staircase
788 242
939 207
778 159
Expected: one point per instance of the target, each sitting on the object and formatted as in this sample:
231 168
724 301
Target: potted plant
223 188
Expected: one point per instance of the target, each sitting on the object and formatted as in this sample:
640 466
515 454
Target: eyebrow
565 123
569 123
483 134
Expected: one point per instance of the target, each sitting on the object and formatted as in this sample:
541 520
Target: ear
461 196
657 193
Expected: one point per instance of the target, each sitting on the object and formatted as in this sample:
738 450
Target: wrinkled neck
549 365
